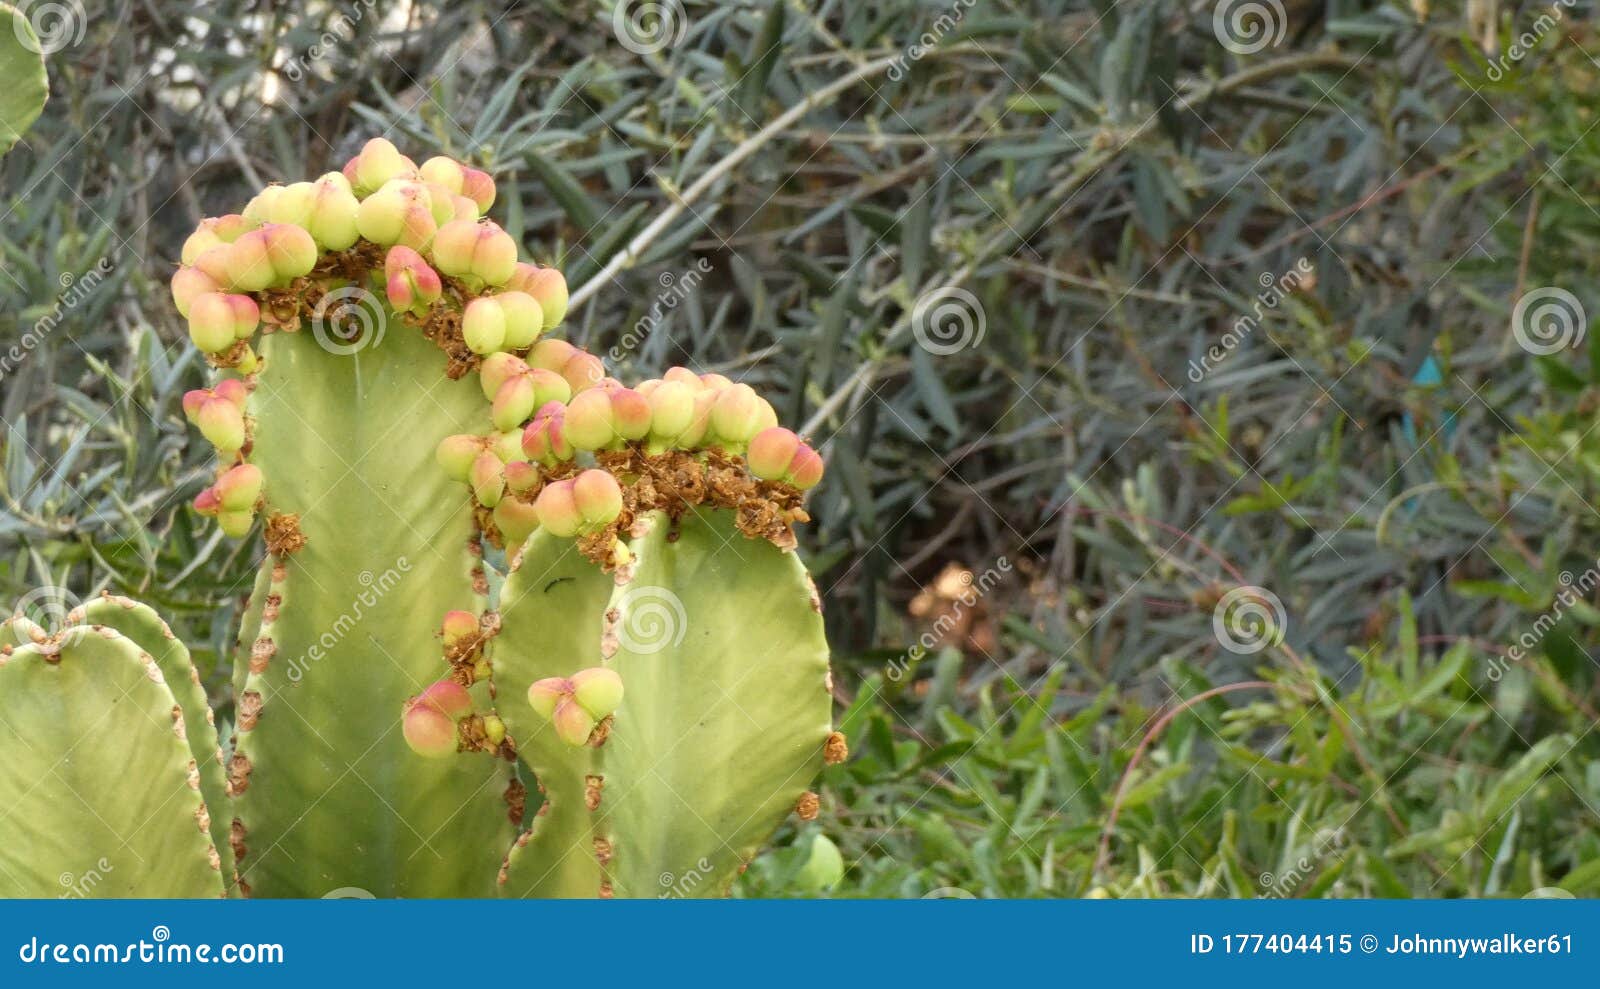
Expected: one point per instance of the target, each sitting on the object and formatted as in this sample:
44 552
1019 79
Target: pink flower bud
207 503
475 249
378 162
521 477
547 286
590 422
544 695
671 411
456 454
632 413
770 452
552 354
247 263
413 285
487 477
222 424
233 390
293 205
805 470
513 403
573 723
239 487
332 219
478 186
400 213
597 497
447 697
192 400
457 628
524 319
684 376
715 382
557 509
497 369
545 439
516 519
598 691
737 415
483 326
428 731
187 283
214 232
506 444
446 172
211 323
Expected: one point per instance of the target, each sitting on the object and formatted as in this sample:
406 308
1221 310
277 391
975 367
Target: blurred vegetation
1115 188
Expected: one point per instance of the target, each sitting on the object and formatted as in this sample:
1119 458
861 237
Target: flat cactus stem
555 600
249 628
326 793
722 726
144 628
99 776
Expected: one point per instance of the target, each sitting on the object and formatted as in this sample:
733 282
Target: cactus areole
391 402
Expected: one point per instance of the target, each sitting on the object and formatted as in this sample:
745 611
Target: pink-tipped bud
447 697
412 285
684 376
233 390
475 249
805 470
456 454
332 219
671 411
211 322
513 403
524 319
192 400
207 503
573 723
770 452
557 509
236 525
428 731
547 286
487 477
544 695
597 497
189 284
521 477
497 369
401 213
737 415
442 171
246 263
598 691
516 519
457 628
483 326
378 162
221 423
293 205
214 232
591 423
239 487
479 187
545 439
507 445
632 413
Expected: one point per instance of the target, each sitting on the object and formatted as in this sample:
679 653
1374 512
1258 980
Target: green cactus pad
99 775
720 646
144 628
23 87
327 794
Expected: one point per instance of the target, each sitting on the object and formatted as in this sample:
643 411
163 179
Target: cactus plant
424 421
23 87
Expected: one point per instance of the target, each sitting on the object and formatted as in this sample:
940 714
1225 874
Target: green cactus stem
99 774
23 87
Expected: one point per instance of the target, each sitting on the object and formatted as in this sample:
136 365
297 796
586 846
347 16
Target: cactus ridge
101 820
